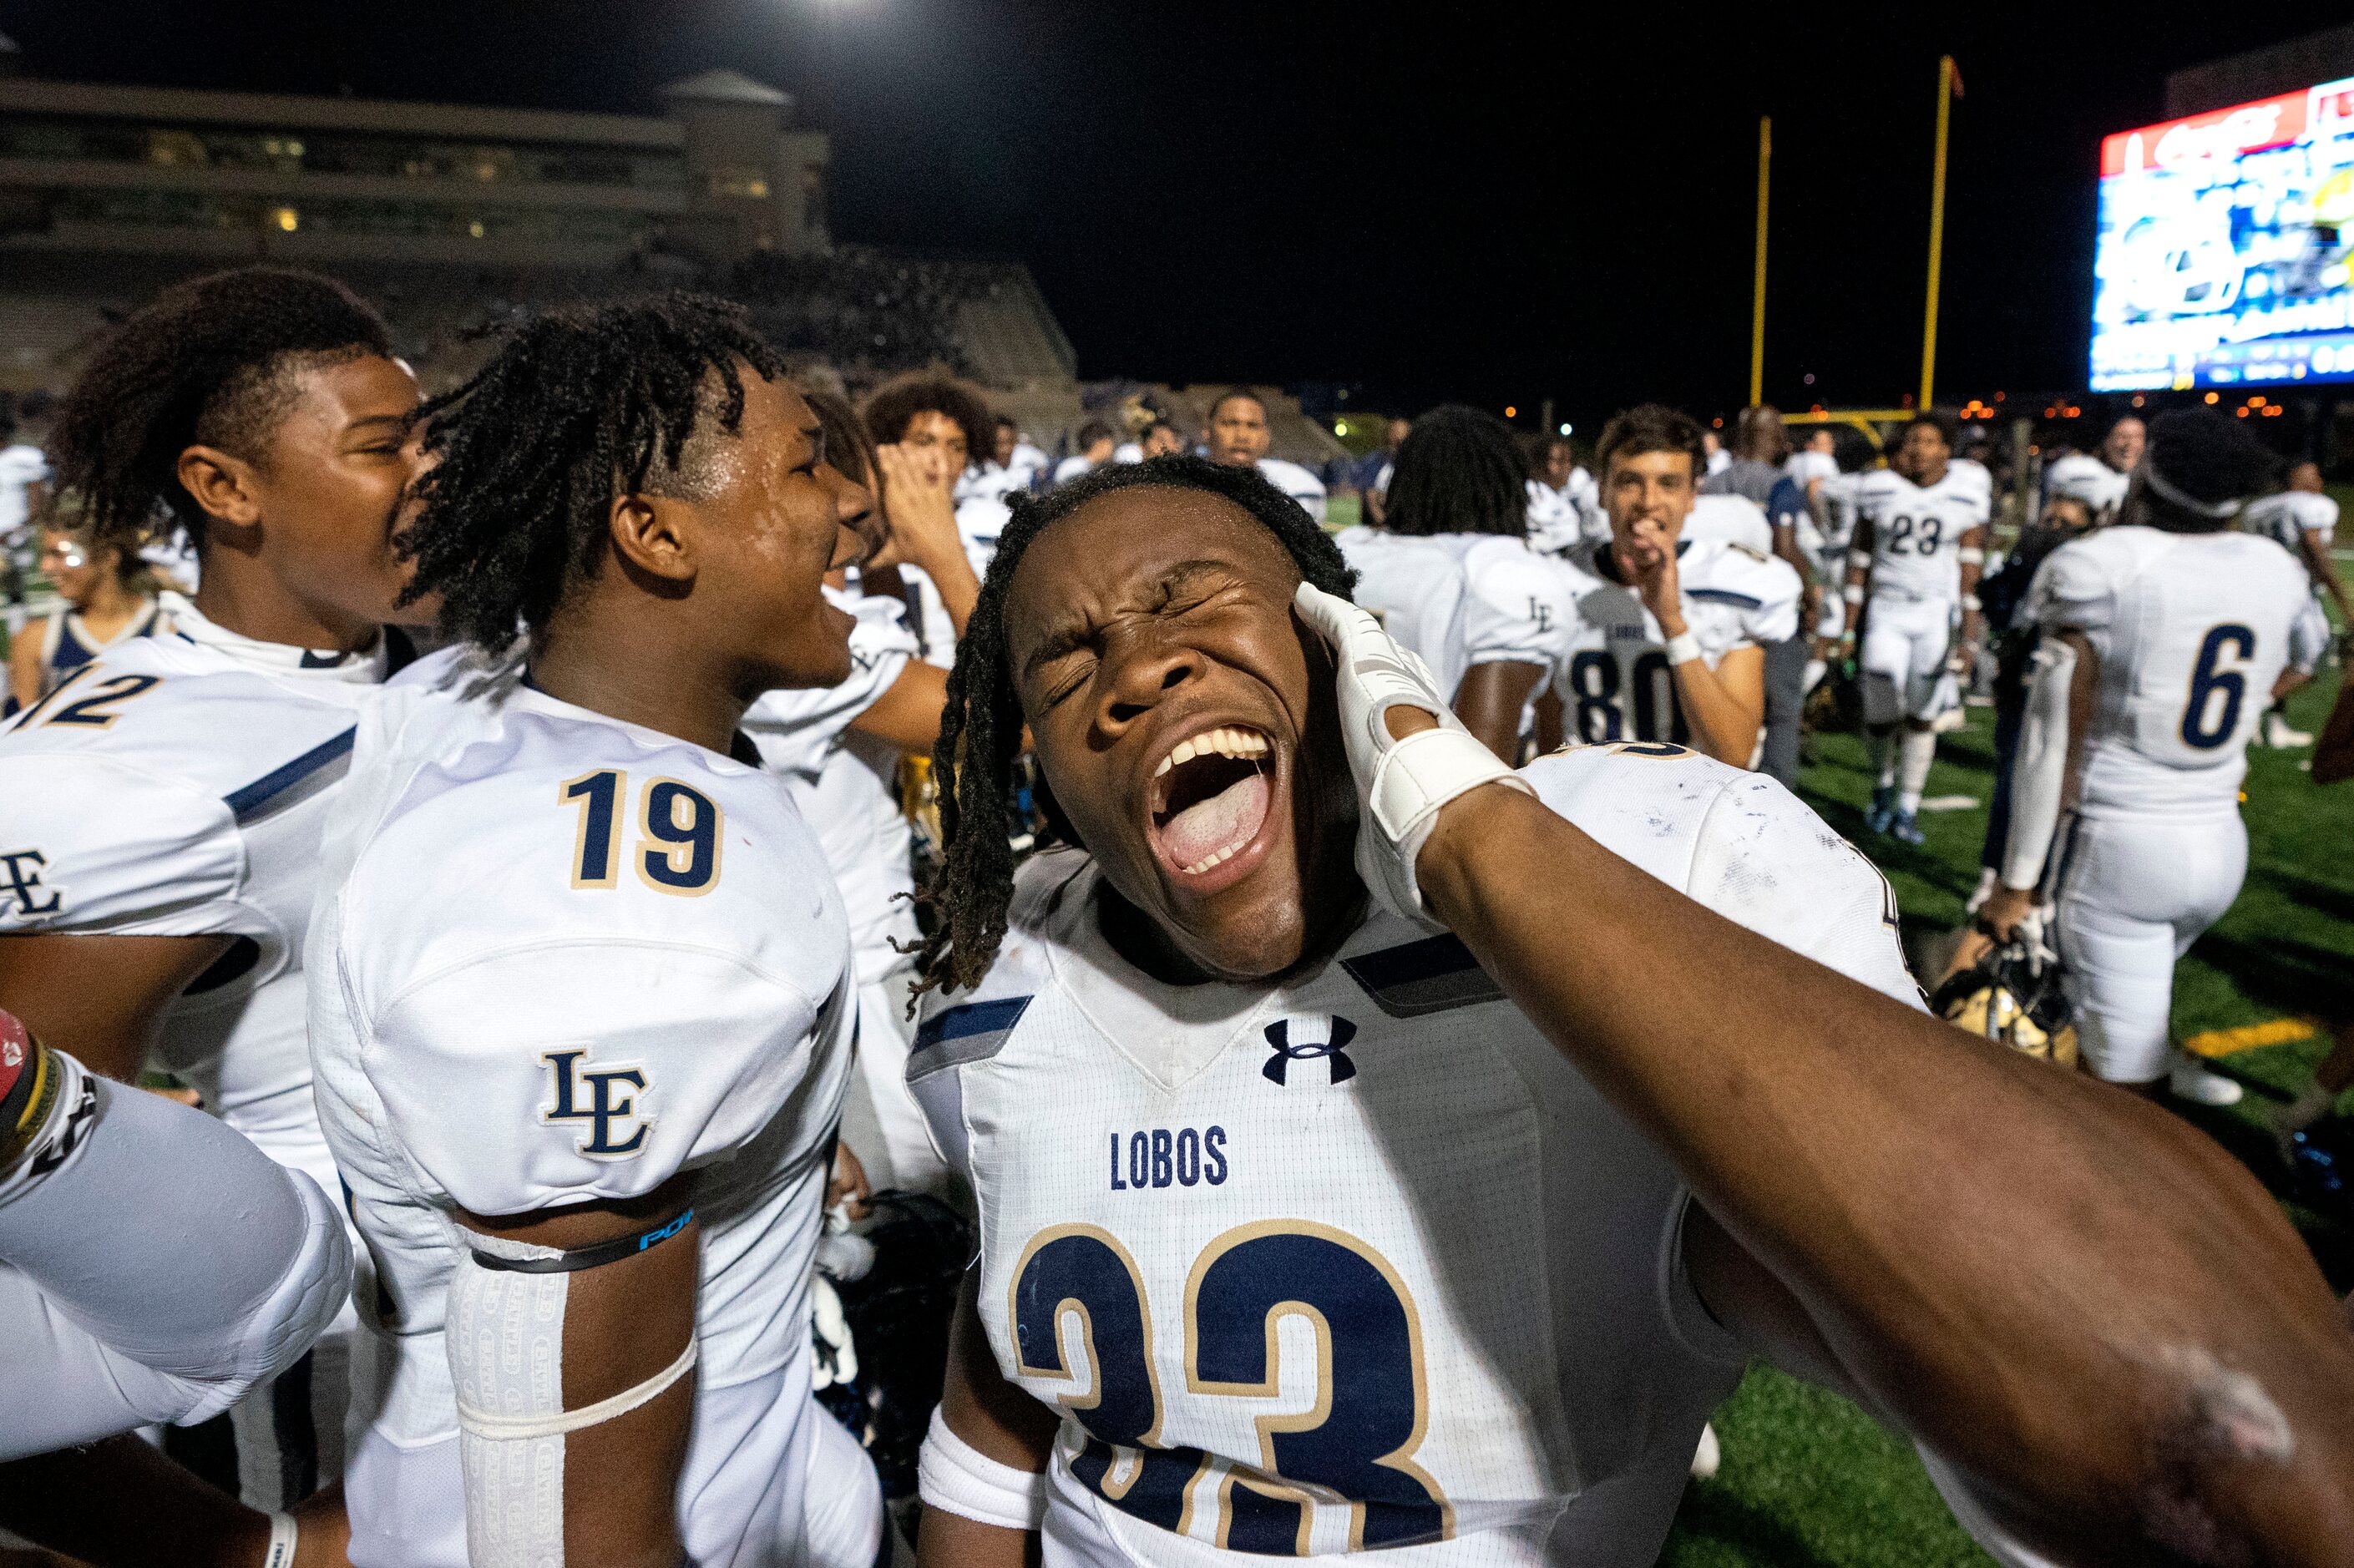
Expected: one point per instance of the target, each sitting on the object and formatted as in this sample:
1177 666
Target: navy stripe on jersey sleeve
1414 979
971 1033
247 803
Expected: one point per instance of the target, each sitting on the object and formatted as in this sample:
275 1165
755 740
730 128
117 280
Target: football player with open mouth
1378 1148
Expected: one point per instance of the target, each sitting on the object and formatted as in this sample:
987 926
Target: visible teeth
1223 740
1220 858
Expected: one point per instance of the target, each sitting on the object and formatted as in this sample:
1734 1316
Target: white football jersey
1842 498
1554 522
2290 515
1361 1260
176 786
1805 467
1733 519
1297 482
1601 651
844 782
980 521
1916 532
1071 467
1414 584
2191 631
21 466
563 959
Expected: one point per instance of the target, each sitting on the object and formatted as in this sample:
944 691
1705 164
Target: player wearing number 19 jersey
584 1005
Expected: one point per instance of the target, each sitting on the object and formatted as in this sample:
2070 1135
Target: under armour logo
605 1107
1294 1039
20 879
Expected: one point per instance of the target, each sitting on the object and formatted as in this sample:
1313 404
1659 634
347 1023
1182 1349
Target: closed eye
1069 679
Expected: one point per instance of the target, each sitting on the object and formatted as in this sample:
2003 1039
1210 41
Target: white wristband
954 1475
1969 555
1971 602
1858 558
280 1552
1852 593
1682 648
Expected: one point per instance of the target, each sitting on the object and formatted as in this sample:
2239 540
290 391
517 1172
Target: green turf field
1808 1480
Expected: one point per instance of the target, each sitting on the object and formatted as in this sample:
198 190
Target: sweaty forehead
1120 548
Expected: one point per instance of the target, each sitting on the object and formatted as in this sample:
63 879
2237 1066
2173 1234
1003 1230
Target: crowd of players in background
1684 592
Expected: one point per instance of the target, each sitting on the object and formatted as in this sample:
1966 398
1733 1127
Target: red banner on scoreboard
2221 134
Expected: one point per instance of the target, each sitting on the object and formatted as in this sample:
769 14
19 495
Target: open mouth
1210 797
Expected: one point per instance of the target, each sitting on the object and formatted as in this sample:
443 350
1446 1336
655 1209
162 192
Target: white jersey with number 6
1916 532
565 959
1358 1261
2191 631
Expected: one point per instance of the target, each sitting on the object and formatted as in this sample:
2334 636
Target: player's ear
225 486
647 533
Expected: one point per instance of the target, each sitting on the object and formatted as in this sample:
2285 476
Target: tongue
1227 819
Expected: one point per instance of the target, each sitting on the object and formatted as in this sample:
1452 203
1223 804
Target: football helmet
1835 706
2013 997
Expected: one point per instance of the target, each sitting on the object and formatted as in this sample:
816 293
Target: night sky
1493 204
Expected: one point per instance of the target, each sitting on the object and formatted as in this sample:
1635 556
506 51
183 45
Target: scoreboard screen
2225 243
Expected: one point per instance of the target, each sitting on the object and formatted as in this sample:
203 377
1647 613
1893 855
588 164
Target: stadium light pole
1948 84
1757 294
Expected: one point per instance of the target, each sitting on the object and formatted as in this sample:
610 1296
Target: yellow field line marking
2248 1036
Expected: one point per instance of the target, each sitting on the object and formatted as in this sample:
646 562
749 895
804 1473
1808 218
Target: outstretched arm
2325 571
2152 1356
2080 1301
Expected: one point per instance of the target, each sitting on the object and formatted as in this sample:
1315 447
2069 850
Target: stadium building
452 217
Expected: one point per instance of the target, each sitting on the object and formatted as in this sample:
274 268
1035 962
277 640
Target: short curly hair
890 406
208 362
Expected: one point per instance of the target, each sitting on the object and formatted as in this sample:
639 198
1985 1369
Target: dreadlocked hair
1460 470
210 361
966 895
578 405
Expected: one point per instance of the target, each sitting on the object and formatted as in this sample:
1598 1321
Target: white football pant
2133 895
1905 641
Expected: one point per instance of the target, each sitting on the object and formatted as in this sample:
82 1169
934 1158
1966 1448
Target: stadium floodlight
1565 429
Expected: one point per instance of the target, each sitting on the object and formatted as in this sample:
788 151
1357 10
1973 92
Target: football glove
1401 784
